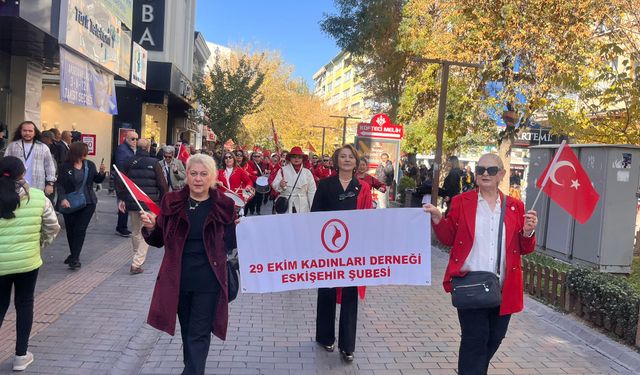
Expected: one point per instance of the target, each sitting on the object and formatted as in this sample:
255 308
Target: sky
289 26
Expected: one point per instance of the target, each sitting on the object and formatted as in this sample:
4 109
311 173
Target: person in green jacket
28 223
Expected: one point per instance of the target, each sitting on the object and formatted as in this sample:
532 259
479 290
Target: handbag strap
503 205
86 176
294 184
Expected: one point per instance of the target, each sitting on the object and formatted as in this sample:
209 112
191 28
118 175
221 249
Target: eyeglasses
228 157
168 156
326 160
343 196
257 156
491 170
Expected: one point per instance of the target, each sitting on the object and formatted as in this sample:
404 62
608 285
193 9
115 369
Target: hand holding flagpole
127 186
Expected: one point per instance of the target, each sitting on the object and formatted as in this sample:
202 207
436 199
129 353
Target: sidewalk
91 321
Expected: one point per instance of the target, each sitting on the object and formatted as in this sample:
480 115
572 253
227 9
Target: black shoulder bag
480 289
77 199
281 204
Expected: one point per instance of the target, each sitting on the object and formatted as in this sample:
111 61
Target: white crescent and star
552 173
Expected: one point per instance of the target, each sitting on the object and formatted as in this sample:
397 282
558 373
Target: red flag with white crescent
183 154
569 185
139 194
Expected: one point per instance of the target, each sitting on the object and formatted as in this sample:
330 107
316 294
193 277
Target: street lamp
442 107
344 126
324 128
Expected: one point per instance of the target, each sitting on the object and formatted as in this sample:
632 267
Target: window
337 80
358 88
345 94
348 75
330 86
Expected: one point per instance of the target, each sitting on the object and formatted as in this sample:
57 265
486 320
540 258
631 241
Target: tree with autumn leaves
242 94
540 60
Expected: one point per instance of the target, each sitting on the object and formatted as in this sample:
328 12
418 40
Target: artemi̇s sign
148 24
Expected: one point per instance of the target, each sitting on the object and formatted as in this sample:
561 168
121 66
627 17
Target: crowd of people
201 201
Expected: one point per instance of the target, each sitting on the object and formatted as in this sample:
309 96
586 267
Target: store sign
87 27
148 24
90 140
124 69
380 127
533 137
139 66
84 84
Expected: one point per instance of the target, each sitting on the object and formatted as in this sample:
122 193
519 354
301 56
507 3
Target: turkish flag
183 154
569 186
138 194
310 147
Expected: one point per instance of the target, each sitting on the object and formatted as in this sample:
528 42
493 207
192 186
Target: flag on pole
310 147
183 154
568 184
275 137
137 194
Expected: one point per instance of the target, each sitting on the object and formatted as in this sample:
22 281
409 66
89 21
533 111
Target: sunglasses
296 156
228 157
257 156
168 156
326 160
133 139
343 196
491 170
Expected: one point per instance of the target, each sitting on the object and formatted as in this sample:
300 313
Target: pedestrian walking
324 169
295 183
62 147
192 281
452 183
363 166
173 168
256 169
77 175
488 232
124 152
39 164
233 178
146 173
384 173
468 179
27 224
343 191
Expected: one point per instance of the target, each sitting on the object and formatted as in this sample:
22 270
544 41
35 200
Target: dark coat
65 183
451 186
124 152
147 174
171 231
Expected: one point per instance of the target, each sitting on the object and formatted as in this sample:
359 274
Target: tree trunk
504 151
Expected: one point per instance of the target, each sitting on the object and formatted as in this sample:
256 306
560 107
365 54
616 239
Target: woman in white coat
285 180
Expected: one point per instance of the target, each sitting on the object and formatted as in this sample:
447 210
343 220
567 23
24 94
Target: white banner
332 249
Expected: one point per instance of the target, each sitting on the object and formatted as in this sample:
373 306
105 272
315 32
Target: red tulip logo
334 235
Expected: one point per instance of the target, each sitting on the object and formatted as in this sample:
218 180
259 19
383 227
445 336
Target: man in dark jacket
453 182
145 171
124 152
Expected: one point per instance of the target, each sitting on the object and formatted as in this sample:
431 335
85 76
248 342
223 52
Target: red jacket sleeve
364 201
446 229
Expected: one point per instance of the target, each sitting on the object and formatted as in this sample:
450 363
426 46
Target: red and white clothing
321 172
372 181
460 231
234 179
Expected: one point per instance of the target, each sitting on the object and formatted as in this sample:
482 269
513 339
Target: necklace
197 203
345 181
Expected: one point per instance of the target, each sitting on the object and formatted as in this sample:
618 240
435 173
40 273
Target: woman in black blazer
70 178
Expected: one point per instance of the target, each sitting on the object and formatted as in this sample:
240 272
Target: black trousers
25 286
123 219
76 225
255 203
482 333
196 311
326 318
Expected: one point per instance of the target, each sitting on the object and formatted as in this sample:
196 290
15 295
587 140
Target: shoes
74 264
21 362
68 260
123 233
347 356
328 348
258 213
136 270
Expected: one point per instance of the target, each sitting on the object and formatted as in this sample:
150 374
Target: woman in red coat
192 280
233 177
471 229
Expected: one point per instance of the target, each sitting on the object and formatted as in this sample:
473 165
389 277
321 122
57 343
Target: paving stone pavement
401 330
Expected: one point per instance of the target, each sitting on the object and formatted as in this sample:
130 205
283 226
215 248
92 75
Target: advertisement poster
90 140
139 66
82 83
122 134
340 249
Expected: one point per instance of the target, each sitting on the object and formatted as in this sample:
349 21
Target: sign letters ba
148 24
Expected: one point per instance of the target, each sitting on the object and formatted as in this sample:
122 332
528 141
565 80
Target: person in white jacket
305 187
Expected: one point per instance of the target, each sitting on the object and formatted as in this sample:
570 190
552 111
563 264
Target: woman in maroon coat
471 229
192 281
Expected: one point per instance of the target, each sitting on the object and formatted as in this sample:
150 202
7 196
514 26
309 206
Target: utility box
605 242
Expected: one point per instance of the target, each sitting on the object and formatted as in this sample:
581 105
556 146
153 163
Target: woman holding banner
340 192
488 232
192 280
